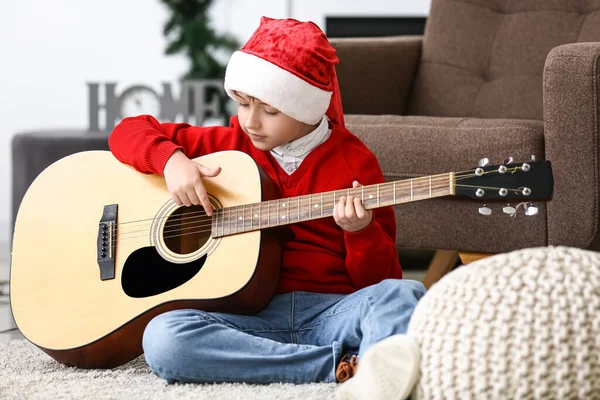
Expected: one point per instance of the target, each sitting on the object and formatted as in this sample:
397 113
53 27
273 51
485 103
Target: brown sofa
489 78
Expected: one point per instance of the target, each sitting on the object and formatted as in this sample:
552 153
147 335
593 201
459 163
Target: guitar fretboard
268 214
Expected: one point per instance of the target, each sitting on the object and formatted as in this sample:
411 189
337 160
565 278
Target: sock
387 371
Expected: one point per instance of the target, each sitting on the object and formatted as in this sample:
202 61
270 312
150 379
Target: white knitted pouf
519 325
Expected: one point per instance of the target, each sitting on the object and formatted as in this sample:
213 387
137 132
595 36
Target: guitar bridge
106 242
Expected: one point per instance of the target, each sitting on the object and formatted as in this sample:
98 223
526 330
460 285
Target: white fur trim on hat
276 87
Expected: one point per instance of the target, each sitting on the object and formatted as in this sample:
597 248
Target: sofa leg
442 262
470 257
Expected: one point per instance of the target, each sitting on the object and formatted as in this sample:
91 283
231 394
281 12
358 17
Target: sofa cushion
414 146
483 58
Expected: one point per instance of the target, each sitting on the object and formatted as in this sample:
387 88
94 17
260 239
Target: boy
340 291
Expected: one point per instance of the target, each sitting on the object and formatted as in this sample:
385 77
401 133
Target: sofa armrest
571 139
376 74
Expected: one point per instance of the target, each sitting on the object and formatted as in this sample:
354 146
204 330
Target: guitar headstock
526 181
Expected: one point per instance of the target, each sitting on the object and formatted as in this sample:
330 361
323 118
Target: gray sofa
487 79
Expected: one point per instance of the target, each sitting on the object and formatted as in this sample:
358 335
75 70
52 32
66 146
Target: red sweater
321 257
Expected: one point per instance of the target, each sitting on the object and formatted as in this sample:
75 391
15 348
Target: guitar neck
268 214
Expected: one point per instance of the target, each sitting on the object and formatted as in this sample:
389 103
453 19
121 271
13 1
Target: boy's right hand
184 181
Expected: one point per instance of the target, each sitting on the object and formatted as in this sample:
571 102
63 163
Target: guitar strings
235 221
229 222
250 207
399 185
424 179
201 214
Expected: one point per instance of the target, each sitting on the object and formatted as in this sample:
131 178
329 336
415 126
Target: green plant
189 31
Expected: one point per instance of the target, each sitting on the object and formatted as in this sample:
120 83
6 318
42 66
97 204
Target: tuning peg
483 162
531 210
508 160
485 210
510 210
532 157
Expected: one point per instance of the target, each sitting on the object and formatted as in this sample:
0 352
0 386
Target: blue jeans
299 338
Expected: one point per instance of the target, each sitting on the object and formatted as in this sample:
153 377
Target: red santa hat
289 65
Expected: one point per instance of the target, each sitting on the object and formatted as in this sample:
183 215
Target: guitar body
58 299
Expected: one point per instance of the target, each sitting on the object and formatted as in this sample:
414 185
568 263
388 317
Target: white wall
317 10
51 48
241 17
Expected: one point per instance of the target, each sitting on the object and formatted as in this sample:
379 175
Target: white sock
387 371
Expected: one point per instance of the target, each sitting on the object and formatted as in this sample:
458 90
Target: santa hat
289 65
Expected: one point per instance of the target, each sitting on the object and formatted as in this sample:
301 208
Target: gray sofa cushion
412 146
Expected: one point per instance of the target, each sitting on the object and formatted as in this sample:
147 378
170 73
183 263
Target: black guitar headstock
527 181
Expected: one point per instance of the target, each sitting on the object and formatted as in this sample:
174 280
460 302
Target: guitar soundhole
187 229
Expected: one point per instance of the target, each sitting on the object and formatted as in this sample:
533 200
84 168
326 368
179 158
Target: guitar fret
321 204
411 189
223 221
277 211
298 198
394 192
309 207
269 214
228 210
243 218
429 186
377 195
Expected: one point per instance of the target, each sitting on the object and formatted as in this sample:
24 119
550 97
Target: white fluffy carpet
28 373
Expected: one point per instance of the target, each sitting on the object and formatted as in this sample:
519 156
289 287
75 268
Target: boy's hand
184 181
350 214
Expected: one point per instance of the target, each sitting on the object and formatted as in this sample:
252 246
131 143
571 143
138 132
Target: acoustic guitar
99 249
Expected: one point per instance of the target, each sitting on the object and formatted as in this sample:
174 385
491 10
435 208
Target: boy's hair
243 96
289 65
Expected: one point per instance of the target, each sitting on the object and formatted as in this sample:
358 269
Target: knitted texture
520 325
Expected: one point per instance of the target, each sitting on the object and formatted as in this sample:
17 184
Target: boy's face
266 126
